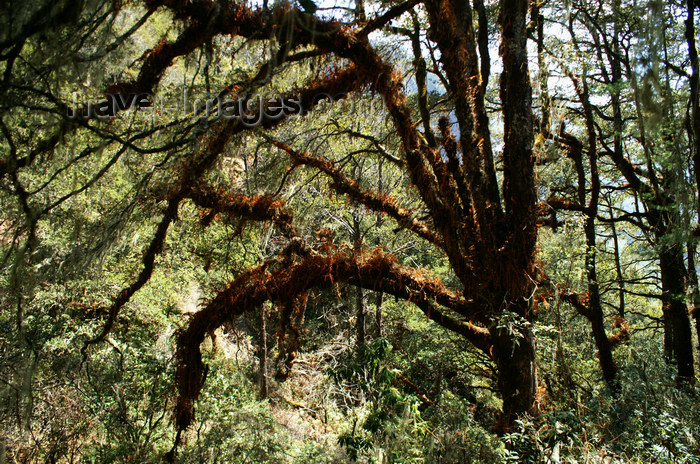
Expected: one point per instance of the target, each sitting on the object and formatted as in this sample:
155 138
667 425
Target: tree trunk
694 290
618 267
562 366
605 357
360 325
594 310
514 355
359 294
264 391
514 347
676 319
694 81
378 313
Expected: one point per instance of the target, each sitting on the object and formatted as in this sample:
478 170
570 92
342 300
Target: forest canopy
442 231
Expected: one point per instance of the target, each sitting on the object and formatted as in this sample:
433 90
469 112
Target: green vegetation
433 231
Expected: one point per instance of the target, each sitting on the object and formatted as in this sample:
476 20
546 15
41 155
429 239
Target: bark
673 286
517 373
452 30
263 353
421 75
604 347
378 314
694 135
299 269
519 195
595 308
514 353
694 290
591 308
483 40
694 92
360 325
618 267
562 365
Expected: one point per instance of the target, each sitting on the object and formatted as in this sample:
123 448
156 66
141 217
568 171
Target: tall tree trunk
378 314
694 136
562 365
593 311
673 287
264 390
514 347
359 293
693 287
595 307
694 82
360 325
618 266
514 354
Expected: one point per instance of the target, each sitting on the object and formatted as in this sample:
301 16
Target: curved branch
377 270
149 257
392 13
252 208
380 203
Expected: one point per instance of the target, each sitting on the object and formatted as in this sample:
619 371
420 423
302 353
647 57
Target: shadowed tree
489 241
485 230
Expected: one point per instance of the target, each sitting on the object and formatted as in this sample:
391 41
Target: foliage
436 254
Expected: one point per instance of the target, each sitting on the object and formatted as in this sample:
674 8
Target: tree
488 242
